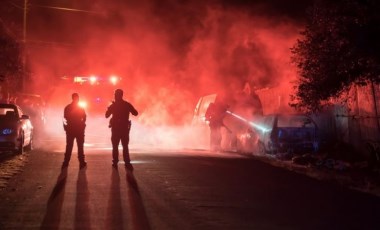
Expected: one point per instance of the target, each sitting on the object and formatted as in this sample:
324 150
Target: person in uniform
214 115
120 127
74 124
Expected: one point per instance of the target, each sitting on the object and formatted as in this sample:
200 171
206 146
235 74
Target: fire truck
96 91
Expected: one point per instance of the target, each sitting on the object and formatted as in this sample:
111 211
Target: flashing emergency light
93 80
114 79
78 80
82 104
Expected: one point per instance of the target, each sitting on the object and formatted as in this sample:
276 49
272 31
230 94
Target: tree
11 67
340 47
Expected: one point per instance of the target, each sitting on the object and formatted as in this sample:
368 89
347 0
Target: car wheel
20 148
29 147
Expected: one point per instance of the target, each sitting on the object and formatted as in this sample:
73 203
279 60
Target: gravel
11 165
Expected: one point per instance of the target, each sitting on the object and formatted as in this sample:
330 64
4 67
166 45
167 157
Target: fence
358 122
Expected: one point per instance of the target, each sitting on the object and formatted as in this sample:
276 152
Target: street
176 189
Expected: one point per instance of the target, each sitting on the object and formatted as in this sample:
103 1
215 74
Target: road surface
174 189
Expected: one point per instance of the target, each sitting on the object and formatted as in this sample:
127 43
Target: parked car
292 133
16 130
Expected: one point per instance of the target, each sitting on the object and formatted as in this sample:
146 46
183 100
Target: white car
16 129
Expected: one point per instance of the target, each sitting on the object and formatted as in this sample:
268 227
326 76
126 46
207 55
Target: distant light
114 79
78 80
98 100
82 104
93 80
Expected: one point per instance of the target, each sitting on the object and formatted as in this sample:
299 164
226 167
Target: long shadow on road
200 192
114 216
54 206
139 218
82 212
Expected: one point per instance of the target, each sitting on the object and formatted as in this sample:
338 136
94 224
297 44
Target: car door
25 126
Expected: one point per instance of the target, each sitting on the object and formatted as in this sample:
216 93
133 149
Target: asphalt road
184 189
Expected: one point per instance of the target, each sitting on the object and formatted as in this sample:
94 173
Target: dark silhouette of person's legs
69 149
215 138
115 139
125 143
80 143
218 139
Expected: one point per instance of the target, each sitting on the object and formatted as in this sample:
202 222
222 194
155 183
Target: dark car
16 130
292 133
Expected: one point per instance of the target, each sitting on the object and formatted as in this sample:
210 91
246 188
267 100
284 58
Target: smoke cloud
169 53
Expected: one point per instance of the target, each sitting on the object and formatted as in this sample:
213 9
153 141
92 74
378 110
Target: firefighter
214 115
120 127
74 124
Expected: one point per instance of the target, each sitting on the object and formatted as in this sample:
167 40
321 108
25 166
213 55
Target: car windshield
7 112
294 121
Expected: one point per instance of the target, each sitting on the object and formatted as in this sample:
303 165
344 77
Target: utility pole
23 82
25 32
24 25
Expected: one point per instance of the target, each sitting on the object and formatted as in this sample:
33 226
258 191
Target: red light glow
114 80
93 80
189 50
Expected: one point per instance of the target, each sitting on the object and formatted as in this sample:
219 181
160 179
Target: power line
67 9
51 43
52 7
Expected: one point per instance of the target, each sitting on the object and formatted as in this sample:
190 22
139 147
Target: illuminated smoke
169 54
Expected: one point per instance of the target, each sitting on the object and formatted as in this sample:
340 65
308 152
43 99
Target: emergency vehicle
96 91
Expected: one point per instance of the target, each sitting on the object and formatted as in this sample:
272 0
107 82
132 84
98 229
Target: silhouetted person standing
74 125
215 114
120 127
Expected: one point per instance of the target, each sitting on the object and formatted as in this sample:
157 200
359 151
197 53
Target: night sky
173 13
